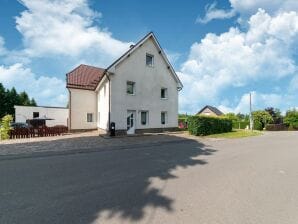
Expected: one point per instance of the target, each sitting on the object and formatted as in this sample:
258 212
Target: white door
131 124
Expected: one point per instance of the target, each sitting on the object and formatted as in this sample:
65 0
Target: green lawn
236 134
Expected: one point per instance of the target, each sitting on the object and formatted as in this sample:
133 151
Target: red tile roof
84 77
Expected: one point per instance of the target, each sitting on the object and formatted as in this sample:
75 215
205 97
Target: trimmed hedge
240 124
207 125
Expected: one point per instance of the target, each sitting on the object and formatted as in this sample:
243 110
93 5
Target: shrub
258 125
5 127
291 119
240 124
207 125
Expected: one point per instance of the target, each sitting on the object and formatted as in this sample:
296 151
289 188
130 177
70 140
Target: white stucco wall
148 84
81 103
103 105
60 115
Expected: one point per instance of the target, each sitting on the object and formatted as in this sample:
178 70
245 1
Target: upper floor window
149 60
164 93
130 87
35 114
89 117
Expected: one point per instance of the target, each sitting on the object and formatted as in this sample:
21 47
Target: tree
275 114
2 100
291 119
10 98
232 116
262 118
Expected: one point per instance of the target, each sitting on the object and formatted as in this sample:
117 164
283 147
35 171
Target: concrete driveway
250 180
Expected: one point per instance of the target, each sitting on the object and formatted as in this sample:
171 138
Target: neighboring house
210 111
58 114
138 92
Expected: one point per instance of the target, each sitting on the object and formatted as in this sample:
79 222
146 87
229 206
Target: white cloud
246 8
237 59
45 90
66 28
250 7
213 13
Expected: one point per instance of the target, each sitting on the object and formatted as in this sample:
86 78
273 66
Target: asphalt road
251 180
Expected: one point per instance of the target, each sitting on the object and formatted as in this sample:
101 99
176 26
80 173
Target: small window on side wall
144 117
149 60
35 114
130 88
89 117
164 93
163 117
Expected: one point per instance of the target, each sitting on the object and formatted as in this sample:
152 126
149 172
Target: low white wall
60 115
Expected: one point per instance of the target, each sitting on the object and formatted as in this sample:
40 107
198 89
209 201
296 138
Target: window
89 117
163 117
130 87
35 114
149 60
164 93
144 117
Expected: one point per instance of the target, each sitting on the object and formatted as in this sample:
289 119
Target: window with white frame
163 117
130 87
164 93
89 117
144 117
149 60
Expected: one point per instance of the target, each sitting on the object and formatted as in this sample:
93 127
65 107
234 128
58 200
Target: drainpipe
108 77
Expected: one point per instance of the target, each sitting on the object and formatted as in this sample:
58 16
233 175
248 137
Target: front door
131 124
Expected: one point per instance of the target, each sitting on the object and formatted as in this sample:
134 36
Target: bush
5 127
240 124
258 125
276 127
291 119
206 125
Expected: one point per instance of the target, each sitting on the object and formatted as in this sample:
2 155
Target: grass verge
236 134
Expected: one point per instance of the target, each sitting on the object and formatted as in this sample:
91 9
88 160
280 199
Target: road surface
247 181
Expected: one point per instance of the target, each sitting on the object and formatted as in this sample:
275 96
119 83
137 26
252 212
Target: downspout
69 110
108 77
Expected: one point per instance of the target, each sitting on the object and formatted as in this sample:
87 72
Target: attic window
149 60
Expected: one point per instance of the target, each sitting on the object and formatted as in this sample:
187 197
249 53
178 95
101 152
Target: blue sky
221 50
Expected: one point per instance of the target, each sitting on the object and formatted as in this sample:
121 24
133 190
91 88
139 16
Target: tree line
10 97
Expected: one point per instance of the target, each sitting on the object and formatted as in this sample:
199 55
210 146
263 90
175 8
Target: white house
58 114
138 92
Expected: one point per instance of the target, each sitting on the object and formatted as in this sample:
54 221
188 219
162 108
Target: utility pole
250 114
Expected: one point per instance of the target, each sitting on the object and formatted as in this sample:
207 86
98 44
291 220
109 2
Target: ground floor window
89 117
163 117
144 117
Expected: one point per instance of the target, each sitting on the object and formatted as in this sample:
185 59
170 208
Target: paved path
247 181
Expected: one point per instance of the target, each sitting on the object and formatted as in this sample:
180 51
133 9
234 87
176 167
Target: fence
36 132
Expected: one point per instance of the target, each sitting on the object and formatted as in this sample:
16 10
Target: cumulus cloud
247 8
236 58
65 28
45 90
